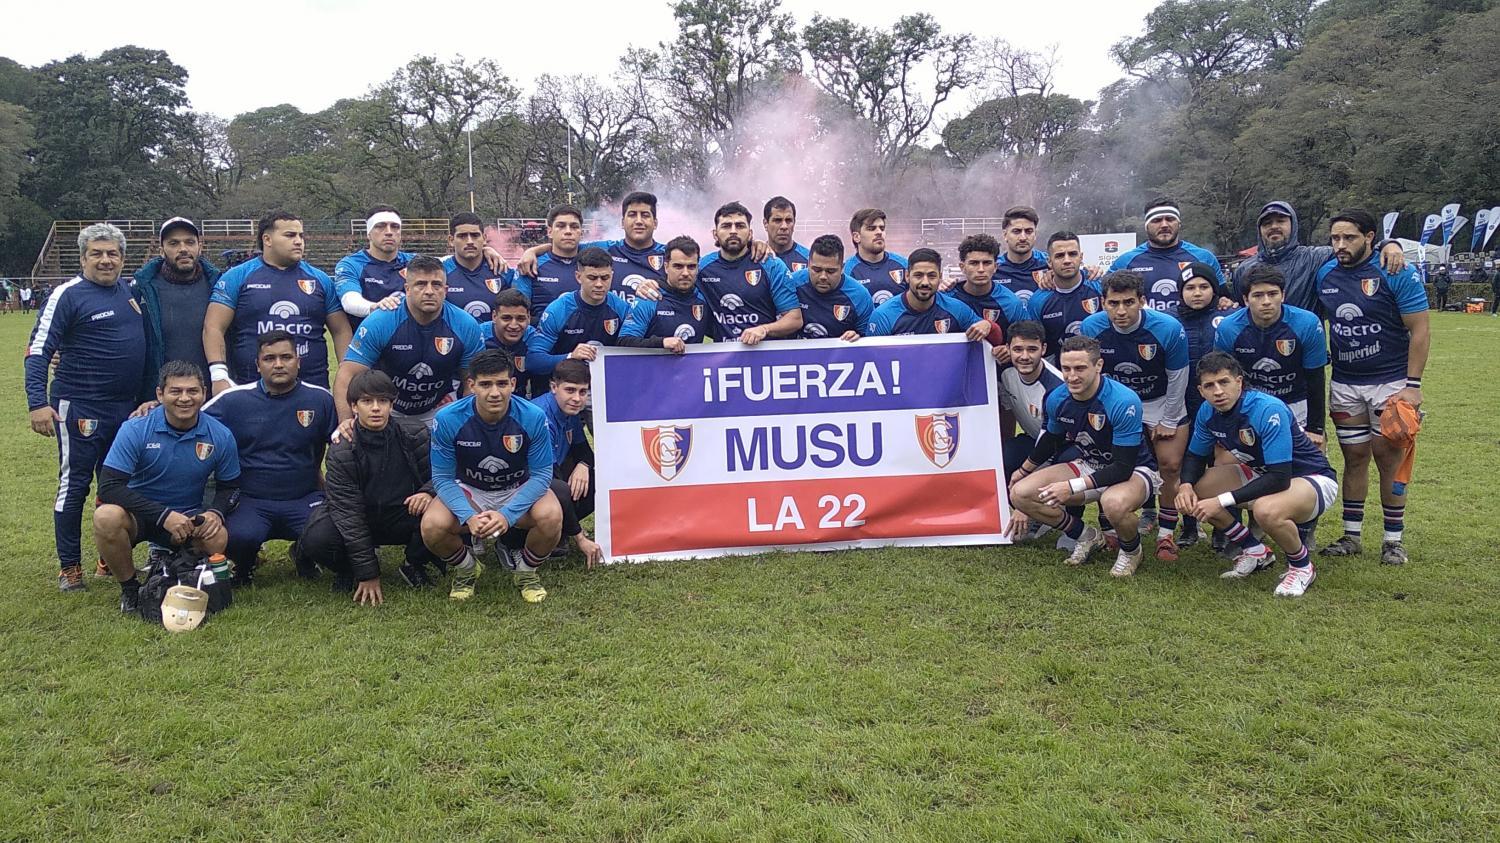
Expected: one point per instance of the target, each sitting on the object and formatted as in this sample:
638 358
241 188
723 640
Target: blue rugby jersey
1364 305
1145 357
170 466
1259 431
424 361
514 453
281 439
1017 277
947 315
999 305
473 290
847 307
744 293
1111 417
686 316
632 265
563 429
1275 358
796 258
554 276
100 337
1165 270
372 278
883 279
297 300
1062 312
570 322
527 385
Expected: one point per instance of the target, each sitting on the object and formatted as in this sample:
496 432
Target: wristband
1226 500
1078 484
1413 383
218 372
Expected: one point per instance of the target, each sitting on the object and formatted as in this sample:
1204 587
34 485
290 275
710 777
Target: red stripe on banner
792 512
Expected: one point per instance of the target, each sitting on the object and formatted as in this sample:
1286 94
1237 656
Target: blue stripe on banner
790 381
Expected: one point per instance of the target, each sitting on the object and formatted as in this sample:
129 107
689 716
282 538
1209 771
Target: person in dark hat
172 290
1278 232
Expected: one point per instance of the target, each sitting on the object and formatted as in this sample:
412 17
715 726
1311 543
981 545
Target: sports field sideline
950 693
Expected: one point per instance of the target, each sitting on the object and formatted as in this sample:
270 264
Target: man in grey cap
1280 247
172 290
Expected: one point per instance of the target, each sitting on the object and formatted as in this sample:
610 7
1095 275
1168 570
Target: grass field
944 694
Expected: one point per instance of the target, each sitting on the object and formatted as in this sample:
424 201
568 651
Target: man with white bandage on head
1164 259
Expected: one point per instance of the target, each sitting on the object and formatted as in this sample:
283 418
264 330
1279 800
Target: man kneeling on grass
378 485
492 468
1102 420
1280 473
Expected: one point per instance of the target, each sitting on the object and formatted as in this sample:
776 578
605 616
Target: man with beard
752 299
1016 270
833 304
1062 308
883 273
924 310
681 316
1277 227
172 291
1163 259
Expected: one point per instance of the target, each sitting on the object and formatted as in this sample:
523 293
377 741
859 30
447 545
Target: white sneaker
1247 563
1296 581
1087 542
1126 563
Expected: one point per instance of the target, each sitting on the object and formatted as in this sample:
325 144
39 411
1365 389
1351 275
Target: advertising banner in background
797 445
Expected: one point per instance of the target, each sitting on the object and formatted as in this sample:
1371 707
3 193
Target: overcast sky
245 56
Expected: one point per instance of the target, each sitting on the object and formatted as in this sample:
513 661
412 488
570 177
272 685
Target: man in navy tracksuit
281 428
94 328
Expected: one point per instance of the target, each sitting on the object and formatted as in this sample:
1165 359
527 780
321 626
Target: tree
596 130
877 74
16 139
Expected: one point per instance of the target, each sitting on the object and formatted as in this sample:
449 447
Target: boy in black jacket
379 482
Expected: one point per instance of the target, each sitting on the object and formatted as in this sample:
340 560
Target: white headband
1163 211
383 216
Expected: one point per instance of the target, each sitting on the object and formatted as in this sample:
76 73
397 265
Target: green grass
926 694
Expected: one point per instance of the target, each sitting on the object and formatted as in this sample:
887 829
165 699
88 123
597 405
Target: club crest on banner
1247 436
1369 285
307 286
667 448
841 312
655 262
937 434
1146 350
611 325
512 442
1097 420
204 450
752 277
443 344
86 427
1286 347
940 326
305 417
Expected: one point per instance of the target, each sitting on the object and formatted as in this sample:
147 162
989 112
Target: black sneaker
130 597
415 575
1188 538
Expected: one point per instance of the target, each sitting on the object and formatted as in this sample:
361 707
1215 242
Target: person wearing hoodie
1281 247
172 291
1200 318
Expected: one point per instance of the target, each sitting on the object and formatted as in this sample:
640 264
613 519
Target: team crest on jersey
611 325
940 326
1369 285
305 417
1247 436
86 427
1097 420
307 285
841 312
1091 304
443 344
937 433
512 442
752 277
492 284
1034 410
898 276
1146 350
698 311
520 362
667 448
204 450
654 261
1286 347
991 314
135 305
798 266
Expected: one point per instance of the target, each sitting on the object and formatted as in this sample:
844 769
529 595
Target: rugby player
681 316
1282 348
882 272
921 309
577 323
472 284
981 289
1163 259
1017 269
753 299
833 304
780 218
1071 299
